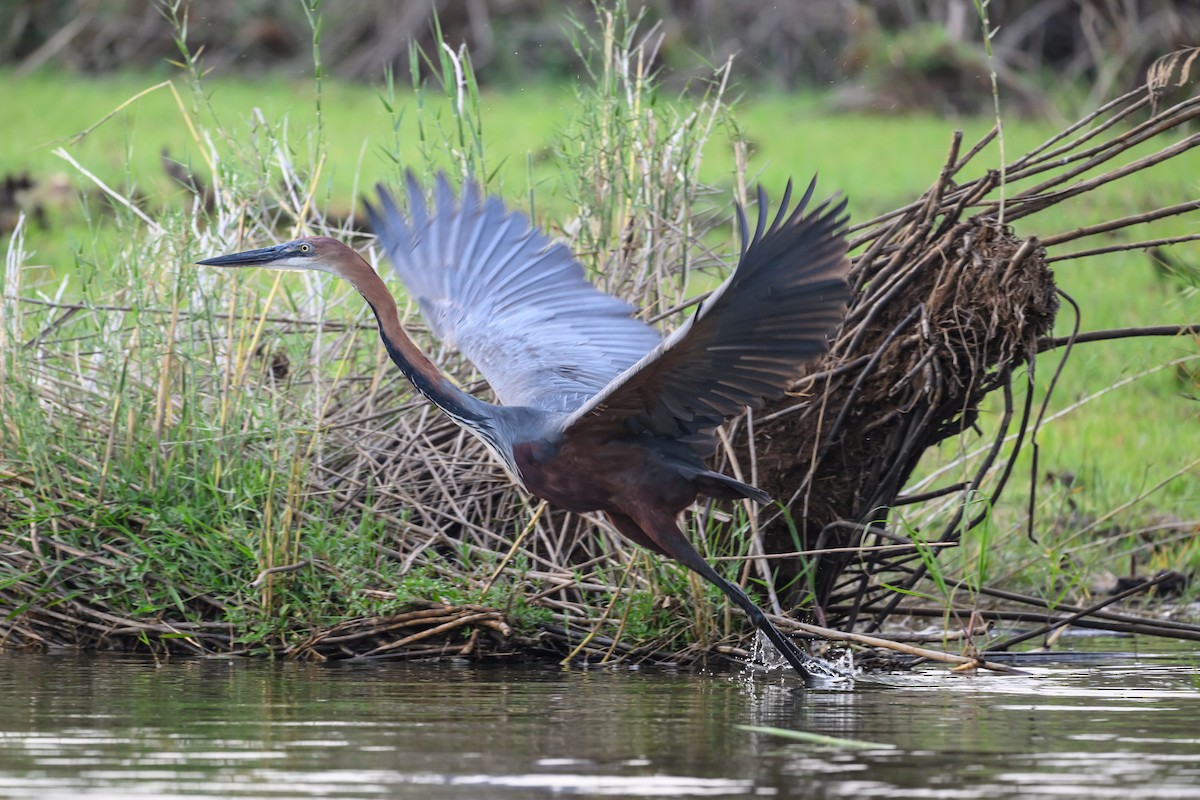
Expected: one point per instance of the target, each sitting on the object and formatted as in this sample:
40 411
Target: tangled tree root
948 309
951 306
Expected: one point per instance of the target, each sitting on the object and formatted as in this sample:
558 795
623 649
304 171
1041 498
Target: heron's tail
723 487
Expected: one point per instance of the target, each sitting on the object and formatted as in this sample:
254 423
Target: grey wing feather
511 300
747 341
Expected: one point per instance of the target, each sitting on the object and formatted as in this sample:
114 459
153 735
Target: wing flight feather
747 341
511 300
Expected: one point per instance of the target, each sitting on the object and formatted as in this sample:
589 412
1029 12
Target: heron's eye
304 248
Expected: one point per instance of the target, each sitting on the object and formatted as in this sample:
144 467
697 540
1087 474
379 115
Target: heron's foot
822 673
770 654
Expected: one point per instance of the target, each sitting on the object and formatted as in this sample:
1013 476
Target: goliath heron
598 411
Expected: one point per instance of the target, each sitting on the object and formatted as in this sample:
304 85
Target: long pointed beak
263 256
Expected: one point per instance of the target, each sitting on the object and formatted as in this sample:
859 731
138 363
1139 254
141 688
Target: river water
110 726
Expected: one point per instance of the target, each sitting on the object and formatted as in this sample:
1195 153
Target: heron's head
312 252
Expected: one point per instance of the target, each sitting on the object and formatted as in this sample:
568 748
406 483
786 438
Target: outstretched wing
512 301
747 341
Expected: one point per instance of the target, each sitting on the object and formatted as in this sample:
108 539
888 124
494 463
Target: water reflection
117 727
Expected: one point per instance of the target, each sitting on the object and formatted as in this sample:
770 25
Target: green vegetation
165 429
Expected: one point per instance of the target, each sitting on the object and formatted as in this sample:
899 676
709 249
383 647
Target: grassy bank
177 444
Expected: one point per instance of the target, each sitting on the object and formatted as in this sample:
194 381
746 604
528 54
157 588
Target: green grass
124 151
212 490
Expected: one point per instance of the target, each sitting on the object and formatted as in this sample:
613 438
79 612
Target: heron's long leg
669 539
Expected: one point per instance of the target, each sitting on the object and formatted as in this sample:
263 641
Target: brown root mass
947 310
950 307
